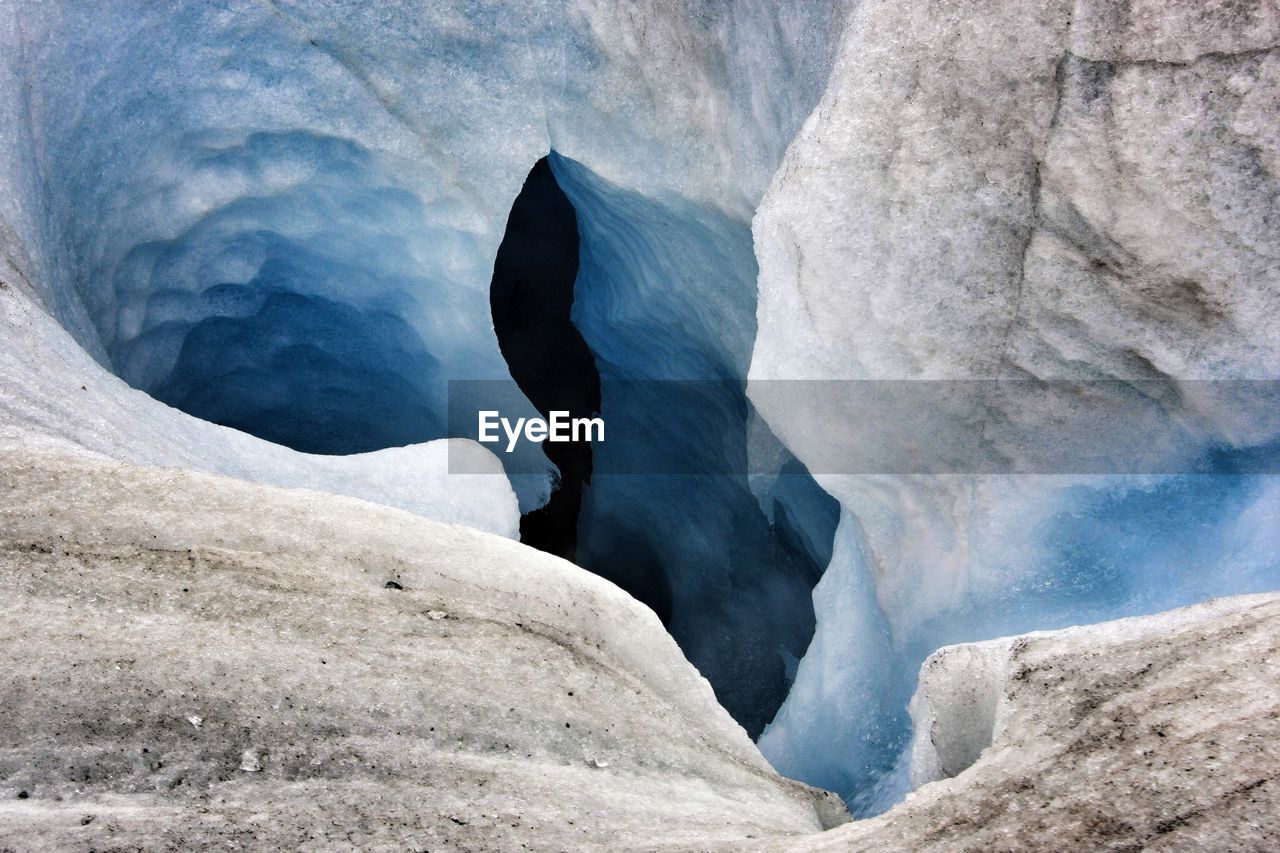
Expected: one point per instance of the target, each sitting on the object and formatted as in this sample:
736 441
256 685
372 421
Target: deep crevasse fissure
232 219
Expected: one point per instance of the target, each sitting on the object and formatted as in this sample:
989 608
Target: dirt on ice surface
191 661
1151 733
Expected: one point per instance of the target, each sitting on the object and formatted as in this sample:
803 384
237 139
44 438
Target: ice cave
928 336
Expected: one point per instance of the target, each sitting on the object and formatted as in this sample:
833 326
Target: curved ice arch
184 176
57 400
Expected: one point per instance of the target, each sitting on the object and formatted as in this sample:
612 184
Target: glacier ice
1029 192
234 206
57 400
206 659
282 217
665 310
1159 727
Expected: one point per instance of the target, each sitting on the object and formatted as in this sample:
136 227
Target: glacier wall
282 217
1087 737
240 206
1063 192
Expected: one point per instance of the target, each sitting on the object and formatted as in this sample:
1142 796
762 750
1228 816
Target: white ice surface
499 698
1018 190
1157 731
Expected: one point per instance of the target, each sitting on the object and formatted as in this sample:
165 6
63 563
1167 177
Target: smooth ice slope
194 661
1019 190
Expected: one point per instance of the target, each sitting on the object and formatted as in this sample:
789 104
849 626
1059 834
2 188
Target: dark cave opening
591 317
603 302
531 299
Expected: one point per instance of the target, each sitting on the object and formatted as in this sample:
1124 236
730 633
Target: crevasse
283 217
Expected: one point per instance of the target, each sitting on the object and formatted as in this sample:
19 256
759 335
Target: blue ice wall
665 292
283 216
1109 547
281 314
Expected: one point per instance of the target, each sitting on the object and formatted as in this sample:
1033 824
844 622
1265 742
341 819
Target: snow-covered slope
192 661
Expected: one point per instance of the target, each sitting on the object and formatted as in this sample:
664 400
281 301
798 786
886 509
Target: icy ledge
1157 732
54 398
198 661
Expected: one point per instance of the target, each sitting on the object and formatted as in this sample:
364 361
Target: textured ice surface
1027 191
241 205
300 192
495 697
283 216
1157 731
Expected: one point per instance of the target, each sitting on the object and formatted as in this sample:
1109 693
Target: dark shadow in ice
289 313
531 298
594 285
